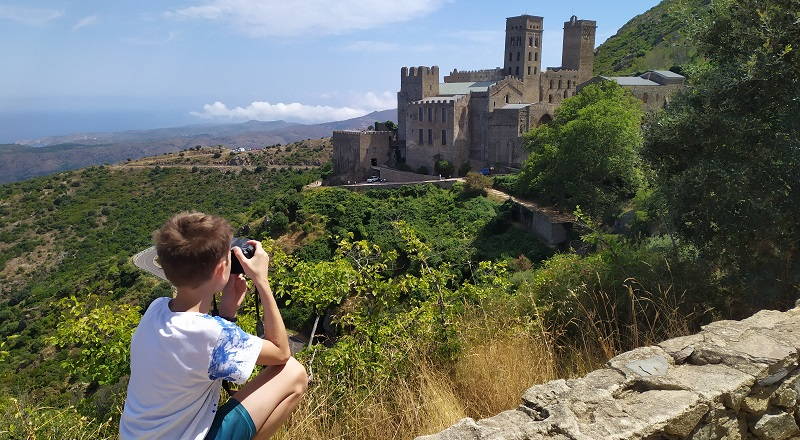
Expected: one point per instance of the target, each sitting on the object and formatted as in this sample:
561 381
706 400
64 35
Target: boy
180 355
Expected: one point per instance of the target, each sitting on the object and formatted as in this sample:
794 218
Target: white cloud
85 21
271 18
297 112
30 16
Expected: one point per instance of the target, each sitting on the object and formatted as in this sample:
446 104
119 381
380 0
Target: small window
535 70
530 56
430 136
529 70
420 137
430 114
536 56
420 113
444 114
516 71
566 94
374 162
511 56
559 84
530 41
551 86
550 99
506 98
519 56
537 42
444 137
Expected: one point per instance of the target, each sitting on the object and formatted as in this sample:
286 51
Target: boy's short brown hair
190 245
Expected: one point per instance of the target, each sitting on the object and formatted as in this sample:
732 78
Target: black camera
248 250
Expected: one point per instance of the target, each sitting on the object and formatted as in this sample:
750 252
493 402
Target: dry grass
504 352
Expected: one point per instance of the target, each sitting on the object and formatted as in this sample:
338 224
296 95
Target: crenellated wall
495 74
735 380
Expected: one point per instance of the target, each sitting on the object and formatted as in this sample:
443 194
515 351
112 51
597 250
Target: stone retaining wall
733 380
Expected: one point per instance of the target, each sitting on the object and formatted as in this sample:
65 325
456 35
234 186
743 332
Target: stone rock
776 427
465 429
642 362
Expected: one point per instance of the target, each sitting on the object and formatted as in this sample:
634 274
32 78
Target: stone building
356 152
653 88
478 117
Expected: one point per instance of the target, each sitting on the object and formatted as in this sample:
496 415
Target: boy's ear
222 266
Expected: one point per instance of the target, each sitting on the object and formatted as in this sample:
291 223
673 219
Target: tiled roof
464 88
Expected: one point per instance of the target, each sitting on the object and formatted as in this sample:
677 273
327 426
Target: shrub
476 183
443 168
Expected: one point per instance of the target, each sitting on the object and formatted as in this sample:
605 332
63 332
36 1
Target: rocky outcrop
734 380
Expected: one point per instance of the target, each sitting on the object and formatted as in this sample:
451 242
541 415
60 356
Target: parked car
373 179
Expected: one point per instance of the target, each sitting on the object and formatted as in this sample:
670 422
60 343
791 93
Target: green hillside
653 40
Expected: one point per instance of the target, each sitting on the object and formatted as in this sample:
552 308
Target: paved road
145 260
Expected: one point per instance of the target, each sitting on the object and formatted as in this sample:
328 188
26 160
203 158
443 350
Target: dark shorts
232 422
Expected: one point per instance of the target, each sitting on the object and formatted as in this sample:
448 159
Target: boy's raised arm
275 350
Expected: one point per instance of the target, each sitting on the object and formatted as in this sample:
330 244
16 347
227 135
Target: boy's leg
273 395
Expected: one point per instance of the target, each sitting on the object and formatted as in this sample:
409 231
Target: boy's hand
256 267
232 296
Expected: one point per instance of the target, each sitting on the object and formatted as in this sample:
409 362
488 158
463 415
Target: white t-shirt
178 362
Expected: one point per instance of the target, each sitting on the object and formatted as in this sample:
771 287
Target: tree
727 151
444 168
476 183
589 154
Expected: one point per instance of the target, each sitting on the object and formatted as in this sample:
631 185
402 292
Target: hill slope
75 151
653 40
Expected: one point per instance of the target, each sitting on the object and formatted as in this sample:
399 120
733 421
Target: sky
98 65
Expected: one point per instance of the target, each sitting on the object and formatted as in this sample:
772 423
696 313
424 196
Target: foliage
443 168
476 183
656 39
727 151
507 183
589 154
102 336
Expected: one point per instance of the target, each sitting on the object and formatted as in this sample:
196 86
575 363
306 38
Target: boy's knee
298 372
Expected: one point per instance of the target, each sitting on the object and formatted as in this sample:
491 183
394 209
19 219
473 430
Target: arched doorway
545 119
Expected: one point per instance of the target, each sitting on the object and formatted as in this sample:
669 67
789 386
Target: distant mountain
653 40
59 153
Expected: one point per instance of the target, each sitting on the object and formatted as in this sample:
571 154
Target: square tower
415 83
523 54
578 52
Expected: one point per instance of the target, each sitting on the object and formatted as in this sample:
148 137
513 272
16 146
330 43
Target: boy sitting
180 355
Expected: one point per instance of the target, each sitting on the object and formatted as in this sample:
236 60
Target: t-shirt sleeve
234 355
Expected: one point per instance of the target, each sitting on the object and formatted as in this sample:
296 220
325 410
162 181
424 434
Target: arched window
530 56
550 99
420 113
511 56
530 41
559 84
535 70
551 83
566 94
529 70
517 71
519 57
536 56
537 42
506 98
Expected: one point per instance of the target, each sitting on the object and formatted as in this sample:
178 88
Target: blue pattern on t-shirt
226 358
